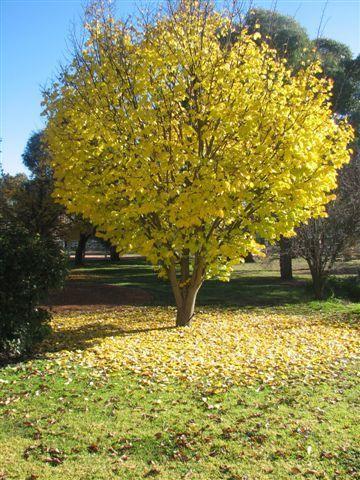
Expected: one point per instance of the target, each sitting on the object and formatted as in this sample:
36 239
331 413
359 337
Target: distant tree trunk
81 248
285 259
249 258
114 255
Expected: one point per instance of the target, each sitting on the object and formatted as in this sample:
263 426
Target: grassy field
252 285
263 385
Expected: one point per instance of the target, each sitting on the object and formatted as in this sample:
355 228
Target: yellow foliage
170 140
219 349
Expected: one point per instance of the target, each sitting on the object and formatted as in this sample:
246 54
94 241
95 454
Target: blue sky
33 42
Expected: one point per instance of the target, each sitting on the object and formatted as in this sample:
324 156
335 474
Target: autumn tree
187 149
290 40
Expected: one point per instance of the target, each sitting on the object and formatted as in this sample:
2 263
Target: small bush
29 267
346 287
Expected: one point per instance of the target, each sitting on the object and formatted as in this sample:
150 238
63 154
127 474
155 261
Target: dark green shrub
29 267
345 287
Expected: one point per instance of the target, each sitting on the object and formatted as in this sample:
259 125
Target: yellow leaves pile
219 349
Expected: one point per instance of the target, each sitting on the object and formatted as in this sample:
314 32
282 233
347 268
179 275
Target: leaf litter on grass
219 349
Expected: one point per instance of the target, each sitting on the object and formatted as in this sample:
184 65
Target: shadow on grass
89 336
242 291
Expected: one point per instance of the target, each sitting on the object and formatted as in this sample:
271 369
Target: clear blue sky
33 42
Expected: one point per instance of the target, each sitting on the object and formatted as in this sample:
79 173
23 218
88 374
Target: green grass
252 285
95 427
76 423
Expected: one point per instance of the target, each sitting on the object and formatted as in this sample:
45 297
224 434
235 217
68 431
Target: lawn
252 285
262 385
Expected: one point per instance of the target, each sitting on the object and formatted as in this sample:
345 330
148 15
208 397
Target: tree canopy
337 63
282 32
187 149
36 155
29 202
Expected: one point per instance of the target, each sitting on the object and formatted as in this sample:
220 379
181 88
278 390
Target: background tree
9 188
286 255
30 198
82 230
337 63
353 72
320 241
29 202
36 156
188 149
36 206
282 32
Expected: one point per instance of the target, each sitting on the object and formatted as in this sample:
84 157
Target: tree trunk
318 279
114 255
319 285
185 311
186 288
285 259
249 258
318 276
81 248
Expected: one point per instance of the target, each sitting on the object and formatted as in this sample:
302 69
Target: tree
114 254
36 206
29 200
291 42
84 231
9 188
336 61
36 156
187 149
282 32
286 253
320 241
353 72
31 261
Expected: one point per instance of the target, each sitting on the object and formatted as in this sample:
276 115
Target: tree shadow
133 281
89 335
252 292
